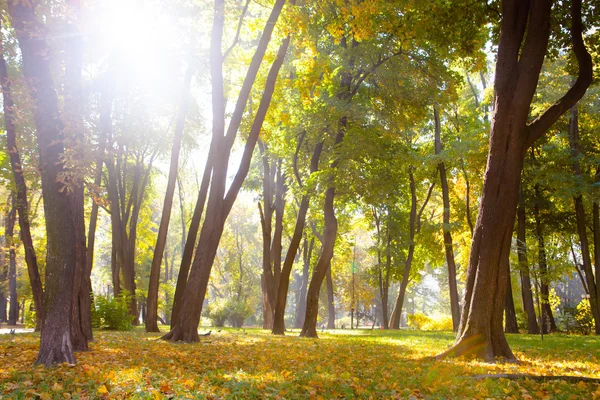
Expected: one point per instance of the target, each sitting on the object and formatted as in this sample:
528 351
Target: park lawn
251 363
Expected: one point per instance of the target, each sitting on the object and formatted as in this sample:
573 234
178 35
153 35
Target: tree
161 240
55 344
22 203
523 42
219 202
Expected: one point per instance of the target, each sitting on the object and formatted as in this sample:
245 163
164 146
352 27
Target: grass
253 364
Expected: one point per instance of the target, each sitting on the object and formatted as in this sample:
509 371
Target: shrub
583 315
233 311
112 313
418 321
439 323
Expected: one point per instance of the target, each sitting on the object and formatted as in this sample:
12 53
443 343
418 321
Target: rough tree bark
284 279
55 344
161 239
448 246
22 203
524 34
580 217
220 203
527 294
81 324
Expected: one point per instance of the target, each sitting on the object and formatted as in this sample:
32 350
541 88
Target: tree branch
239 28
543 122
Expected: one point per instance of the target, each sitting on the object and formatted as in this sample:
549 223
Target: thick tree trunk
55 344
581 219
448 246
510 316
284 279
397 313
74 131
161 240
219 204
527 294
548 324
301 304
524 33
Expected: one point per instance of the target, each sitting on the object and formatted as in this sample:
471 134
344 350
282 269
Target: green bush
112 313
233 311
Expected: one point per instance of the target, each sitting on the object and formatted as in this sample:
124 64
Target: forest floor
251 363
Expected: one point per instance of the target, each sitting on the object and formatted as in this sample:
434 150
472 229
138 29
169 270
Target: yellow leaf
102 389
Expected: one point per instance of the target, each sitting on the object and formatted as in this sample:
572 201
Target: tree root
540 378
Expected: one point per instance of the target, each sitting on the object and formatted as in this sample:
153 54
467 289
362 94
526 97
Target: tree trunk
55 343
301 304
524 33
309 329
21 192
9 227
593 286
383 280
266 220
454 302
161 240
284 279
548 323
81 324
330 300
527 294
510 316
397 313
190 243
219 204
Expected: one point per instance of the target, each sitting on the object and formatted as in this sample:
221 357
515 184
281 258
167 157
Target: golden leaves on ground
254 364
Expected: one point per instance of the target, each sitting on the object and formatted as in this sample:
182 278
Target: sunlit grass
251 363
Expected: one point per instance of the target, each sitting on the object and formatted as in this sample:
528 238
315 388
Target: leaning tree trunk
309 329
524 33
510 316
397 313
220 203
161 240
581 219
448 246
284 279
21 192
55 343
526 292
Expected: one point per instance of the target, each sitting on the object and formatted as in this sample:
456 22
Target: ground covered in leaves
253 364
